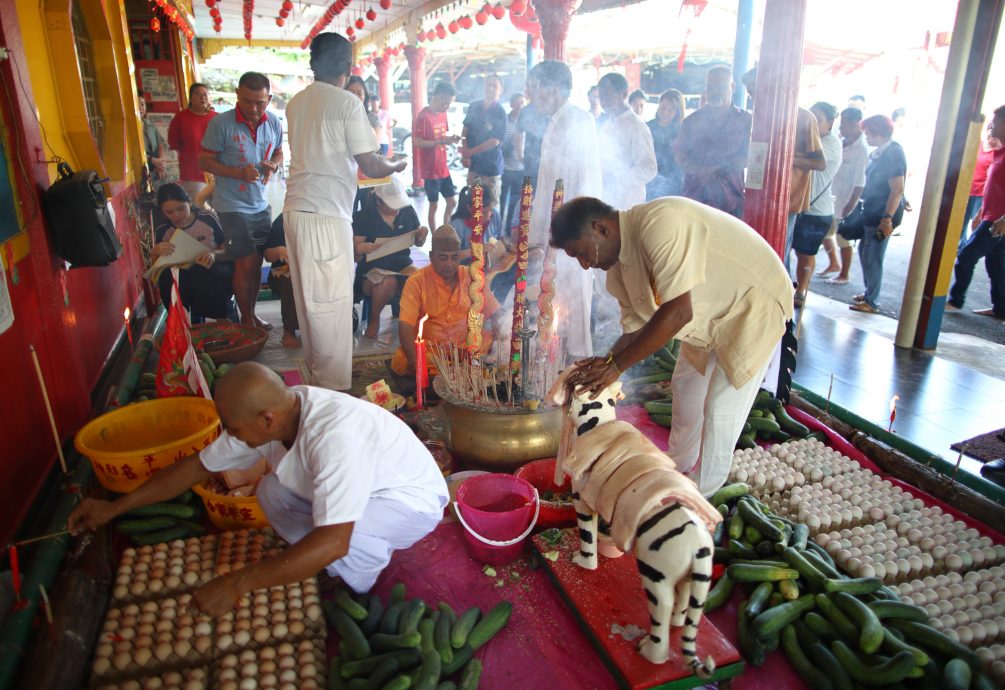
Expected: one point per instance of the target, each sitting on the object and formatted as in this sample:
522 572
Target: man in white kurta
681 269
330 138
568 153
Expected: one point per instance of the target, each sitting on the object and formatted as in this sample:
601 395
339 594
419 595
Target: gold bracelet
610 360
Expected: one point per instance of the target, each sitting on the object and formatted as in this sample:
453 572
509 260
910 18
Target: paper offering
395 244
186 250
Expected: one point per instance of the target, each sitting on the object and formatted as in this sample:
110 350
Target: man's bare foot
830 269
372 332
290 340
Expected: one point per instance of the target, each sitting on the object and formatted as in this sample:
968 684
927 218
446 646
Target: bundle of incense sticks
522 260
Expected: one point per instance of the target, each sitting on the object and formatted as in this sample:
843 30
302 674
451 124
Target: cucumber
816 549
730 492
774 619
335 681
389 623
759 598
763 398
935 641
166 508
979 681
858 585
411 614
800 535
153 524
398 593
739 572
719 594
462 657
750 646
462 628
382 642
746 441
470 676
836 618
441 639
755 413
656 407
742 550
429 676
871 630
194 528
824 566
779 436
350 633
399 682
663 420
426 628
788 589
896 609
721 555
447 685
651 378
807 570
828 663
382 674
374 612
764 549
447 610
788 424
775 599
889 672
352 608
754 518
666 364
805 634
821 627
169 534
894 645
817 435
736 525
406 658
752 535
492 623
720 527
763 425
814 677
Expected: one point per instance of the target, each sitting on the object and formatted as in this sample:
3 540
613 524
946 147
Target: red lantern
465 22
360 23
498 11
441 32
214 13
431 35
385 4
288 5
284 13
161 3
210 3
349 32
280 21
370 14
518 7
155 24
453 27
481 17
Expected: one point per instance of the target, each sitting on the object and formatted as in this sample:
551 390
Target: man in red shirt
985 154
430 138
185 136
988 239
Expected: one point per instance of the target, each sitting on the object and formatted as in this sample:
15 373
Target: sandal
837 280
798 300
863 307
858 298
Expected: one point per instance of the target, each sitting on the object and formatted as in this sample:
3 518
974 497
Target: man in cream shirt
680 269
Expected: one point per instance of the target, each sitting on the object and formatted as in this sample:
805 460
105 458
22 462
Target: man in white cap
387 214
330 138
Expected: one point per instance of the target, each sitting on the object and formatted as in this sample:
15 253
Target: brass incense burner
498 438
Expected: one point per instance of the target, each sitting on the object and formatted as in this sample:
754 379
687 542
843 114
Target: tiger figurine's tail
694 607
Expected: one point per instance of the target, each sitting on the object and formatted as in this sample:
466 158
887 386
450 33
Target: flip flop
859 298
827 273
836 281
989 312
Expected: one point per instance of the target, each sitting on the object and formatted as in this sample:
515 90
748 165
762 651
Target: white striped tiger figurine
624 487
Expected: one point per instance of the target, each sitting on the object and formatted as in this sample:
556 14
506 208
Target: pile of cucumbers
407 644
162 522
147 390
837 632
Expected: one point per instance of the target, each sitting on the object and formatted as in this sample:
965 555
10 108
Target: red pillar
772 139
555 16
384 89
416 57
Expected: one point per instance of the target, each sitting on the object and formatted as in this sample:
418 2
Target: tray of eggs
185 679
152 638
151 572
243 547
269 616
283 666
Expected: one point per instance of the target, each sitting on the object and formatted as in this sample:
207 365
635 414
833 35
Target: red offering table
612 595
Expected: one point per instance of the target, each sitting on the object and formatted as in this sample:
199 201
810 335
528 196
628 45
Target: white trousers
384 527
574 298
708 416
321 270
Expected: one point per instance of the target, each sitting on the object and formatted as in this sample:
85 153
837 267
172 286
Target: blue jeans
992 249
973 203
871 251
790 229
512 187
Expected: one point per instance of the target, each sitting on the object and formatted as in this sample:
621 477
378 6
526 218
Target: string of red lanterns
284 12
248 15
335 9
214 13
517 8
174 16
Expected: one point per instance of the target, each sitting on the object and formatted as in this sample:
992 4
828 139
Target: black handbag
76 211
852 226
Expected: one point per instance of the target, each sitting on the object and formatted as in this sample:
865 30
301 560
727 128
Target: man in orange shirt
441 291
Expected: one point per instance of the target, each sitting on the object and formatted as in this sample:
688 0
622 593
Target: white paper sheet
395 244
186 250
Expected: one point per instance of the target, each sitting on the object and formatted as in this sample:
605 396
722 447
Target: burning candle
476 270
522 259
15 571
893 411
421 370
129 331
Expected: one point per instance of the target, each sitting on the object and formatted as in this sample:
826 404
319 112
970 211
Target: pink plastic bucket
498 512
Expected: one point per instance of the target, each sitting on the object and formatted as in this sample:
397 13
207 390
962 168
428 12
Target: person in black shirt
280 283
386 213
665 127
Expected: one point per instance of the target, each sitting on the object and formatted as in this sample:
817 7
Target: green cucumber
350 633
352 608
406 658
654 407
429 676
441 639
764 549
389 623
755 413
891 671
805 633
824 566
750 647
194 528
814 677
871 630
759 598
398 593
760 561
719 594
665 364
788 589
742 550
932 640
800 535
754 518
447 685
382 674
763 425
739 572
821 627
491 624
763 399
774 619
166 508
461 657
807 570
895 609
374 612
411 615
752 535
858 585
153 524
746 441
721 555
382 642
399 682
836 617
335 681
720 527
894 645
736 525
819 552
663 420
462 628
169 534
447 610
426 628
730 492
957 675
828 663
469 677
788 424
651 378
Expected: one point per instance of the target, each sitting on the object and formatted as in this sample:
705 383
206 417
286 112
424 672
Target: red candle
15 572
893 411
421 370
129 330
522 258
